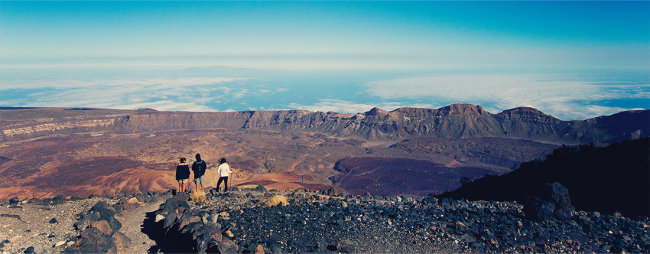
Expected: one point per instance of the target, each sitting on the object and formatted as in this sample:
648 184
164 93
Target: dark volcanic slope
399 176
614 178
506 153
454 121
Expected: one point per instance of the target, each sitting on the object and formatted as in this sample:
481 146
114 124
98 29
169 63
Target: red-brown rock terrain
45 152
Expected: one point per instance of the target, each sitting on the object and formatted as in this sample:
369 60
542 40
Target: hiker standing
224 172
182 174
198 167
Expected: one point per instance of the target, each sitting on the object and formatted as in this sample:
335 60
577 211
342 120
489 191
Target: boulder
93 241
332 192
227 246
260 188
553 202
180 200
559 195
14 201
428 200
102 226
121 241
346 246
537 209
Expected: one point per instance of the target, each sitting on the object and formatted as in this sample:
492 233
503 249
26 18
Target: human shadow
171 241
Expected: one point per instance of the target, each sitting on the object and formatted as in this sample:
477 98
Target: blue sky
331 55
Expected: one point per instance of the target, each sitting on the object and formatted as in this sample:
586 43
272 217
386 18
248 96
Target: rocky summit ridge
453 121
261 221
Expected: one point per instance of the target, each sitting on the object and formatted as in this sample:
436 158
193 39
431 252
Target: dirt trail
132 225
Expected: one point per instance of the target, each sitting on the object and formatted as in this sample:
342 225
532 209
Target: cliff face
454 121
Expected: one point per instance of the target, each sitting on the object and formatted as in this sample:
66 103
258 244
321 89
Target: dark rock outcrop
554 202
260 188
608 180
99 231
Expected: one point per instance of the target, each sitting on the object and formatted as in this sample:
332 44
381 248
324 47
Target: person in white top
224 172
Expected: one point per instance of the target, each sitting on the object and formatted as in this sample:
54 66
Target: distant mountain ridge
453 121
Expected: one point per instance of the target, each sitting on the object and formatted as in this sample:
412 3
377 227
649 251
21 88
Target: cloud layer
341 106
176 94
554 94
563 96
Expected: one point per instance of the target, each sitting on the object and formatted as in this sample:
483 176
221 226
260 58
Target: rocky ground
316 222
45 226
250 221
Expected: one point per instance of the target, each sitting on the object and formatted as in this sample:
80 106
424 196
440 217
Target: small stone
53 221
70 243
59 243
275 249
159 217
259 249
29 249
229 234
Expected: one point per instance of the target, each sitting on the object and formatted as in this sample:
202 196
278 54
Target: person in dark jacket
182 174
198 167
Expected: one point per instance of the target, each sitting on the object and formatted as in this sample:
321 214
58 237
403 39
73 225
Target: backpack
199 168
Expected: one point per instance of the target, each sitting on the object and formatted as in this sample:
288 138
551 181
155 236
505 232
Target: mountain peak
376 111
527 113
463 109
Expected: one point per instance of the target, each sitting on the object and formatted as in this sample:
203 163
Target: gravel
41 224
313 222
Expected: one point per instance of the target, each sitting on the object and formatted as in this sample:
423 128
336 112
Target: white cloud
114 82
168 106
552 94
240 94
341 106
183 94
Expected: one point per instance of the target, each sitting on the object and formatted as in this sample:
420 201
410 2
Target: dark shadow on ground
172 242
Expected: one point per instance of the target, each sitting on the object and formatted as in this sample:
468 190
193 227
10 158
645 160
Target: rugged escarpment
45 151
454 121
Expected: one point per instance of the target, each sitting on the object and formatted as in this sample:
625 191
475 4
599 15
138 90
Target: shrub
277 199
197 196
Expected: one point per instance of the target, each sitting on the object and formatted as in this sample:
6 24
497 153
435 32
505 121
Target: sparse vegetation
277 199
